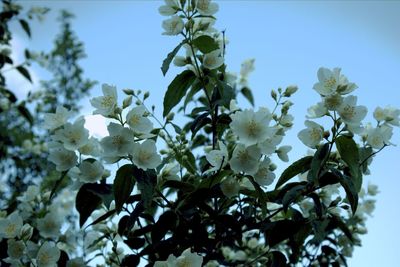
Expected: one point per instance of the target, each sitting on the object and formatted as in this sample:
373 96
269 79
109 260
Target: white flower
31 193
105 105
48 255
252 127
245 69
189 259
317 111
11 226
372 189
312 135
72 136
15 248
64 159
145 155
389 115
58 119
90 171
350 113
120 141
230 187
379 136
264 176
137 121
245 159
282 153
331 81
169 172
233 105
333 101
170 8
240 255
173 25
213 60
49 226
206 8
91 148
170 262
218 158
268 146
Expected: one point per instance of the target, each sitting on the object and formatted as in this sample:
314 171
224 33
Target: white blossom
245 159
48 255
49 226
268 146
119 143
264 176
173 25
91 148
389 115
169 172
189 259
379 136
312 135
282 153
246 68
206 7
64 159
58 119
350 113
72 136
213 60
106 104
333 101
317 111
331 81
252 127
218 158
10 227
90 171
230 187
137 121
145 155
170 8
15 248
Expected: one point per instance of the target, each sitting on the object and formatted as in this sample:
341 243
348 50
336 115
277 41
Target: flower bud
146 95
170 116
129 91
26 232
274 95
127 102
290 90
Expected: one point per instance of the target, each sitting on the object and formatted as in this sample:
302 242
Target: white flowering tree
205 193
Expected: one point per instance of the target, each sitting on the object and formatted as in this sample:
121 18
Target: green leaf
25 26
183 186
278 259
103 217
246 92
227 93
130 260
25 113
205 44
177 90
103 191
348 151
317 162
278 231
300 166
198 123
166 222
123 185
24 72
147 181
351 192
292 195
167 61
86 202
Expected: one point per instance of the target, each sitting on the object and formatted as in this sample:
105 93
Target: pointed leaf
123 185
205 44
246 92
24 72
25 26
167 61
298 167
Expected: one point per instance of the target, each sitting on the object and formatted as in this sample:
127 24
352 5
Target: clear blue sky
290 41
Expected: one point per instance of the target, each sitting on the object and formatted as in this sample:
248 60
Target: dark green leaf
246 92
298 167
189 163
351 192
123 185
130 261
292 195
57 184
317 162
135 242
205 44
200 121
103 191
278 231
177 90
147 181
226 92
167 61
337 222
348 151
365 158
278 259
25 26
24 72
25 113
183 186
166 222
86 202
103 217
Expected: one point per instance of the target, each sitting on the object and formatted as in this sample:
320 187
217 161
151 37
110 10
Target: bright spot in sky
97 125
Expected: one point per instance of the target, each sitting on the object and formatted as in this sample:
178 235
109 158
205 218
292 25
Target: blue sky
290 40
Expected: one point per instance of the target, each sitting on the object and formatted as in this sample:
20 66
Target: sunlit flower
62 158
72 136
245 159
317 111
230 187
120 141
48 255
137 121
218 158
106 104
145 155
206 7
331 81
58 119
252 127
264 176
350 113
312 135
213 60
379 136
389 115
173 25
170 8
11 226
